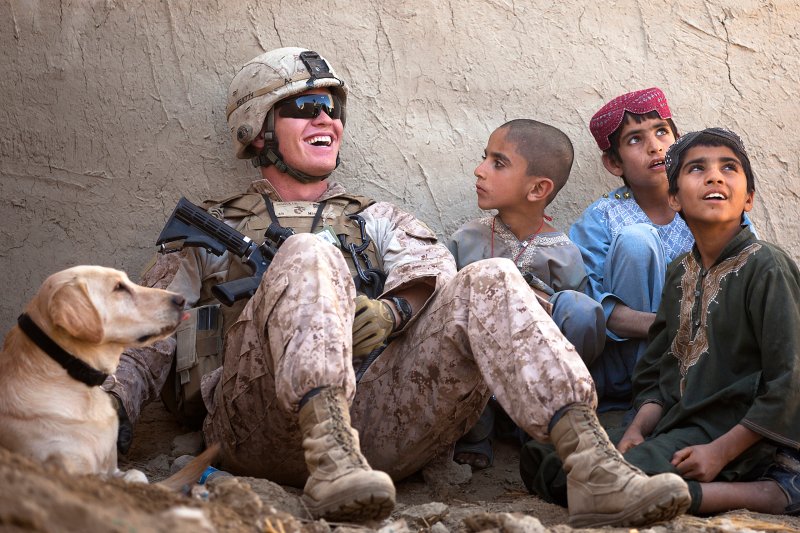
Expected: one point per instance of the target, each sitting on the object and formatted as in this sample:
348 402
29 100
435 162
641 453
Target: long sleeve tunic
724 348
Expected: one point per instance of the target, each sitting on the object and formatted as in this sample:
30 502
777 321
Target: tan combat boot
342 487
602 488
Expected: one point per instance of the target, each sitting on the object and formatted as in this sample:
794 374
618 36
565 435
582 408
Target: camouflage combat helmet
260 84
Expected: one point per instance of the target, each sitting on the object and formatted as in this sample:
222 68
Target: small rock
186 519
199 492
505 522
179 463
448 472
397 526
442 474
438 527
187 444
135 476
232 492
348 529
423 516
276 496
159 463
277 521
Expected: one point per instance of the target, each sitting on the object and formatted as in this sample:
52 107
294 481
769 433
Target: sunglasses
309 106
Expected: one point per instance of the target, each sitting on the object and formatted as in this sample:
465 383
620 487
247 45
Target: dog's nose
178 300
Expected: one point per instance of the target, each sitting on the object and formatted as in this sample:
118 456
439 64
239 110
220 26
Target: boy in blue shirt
629 236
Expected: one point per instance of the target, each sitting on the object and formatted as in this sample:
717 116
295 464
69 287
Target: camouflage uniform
480 331
285 404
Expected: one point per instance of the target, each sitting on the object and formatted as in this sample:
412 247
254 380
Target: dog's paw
133 476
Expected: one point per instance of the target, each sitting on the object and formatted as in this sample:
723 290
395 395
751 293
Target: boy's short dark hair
547 150
707 137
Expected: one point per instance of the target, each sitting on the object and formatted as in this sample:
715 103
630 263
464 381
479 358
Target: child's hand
701 462
643 423
632 437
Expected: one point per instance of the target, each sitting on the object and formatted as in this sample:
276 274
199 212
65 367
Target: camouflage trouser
483 331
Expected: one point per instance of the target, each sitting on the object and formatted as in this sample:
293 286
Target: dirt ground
33 498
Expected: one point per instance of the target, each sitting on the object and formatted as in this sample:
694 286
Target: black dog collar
76 368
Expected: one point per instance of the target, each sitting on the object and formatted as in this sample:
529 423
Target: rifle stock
189 225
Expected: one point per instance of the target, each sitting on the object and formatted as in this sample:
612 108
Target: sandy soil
33 498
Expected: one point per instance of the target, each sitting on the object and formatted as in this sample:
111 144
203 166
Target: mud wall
111 110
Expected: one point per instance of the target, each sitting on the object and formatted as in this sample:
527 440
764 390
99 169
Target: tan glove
373 323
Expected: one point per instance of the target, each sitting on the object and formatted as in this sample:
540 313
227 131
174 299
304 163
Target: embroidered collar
736 244
76 368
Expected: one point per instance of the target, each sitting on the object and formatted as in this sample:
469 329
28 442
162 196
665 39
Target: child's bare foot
478 455
477 461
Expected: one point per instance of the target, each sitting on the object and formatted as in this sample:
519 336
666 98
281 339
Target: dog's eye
121 287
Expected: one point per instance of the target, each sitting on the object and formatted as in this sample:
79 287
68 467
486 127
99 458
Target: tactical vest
253 219
199 347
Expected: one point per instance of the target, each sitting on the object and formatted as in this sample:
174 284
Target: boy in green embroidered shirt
718 389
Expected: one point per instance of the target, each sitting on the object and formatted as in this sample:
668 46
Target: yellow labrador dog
70 337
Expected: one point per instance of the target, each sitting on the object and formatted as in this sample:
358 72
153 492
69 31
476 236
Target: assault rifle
189 225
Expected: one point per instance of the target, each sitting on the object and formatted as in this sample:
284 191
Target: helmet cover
269 78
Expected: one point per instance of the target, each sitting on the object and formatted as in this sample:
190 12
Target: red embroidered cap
608 119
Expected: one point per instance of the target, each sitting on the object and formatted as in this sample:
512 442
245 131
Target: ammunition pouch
198 352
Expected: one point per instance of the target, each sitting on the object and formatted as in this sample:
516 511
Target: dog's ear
72 309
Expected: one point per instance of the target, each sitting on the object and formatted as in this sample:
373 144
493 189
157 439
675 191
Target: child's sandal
785 471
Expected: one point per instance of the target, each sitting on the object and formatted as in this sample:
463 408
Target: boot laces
343 435
608 449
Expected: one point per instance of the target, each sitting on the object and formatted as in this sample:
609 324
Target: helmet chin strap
271 156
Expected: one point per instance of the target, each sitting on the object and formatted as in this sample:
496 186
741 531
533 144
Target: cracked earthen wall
111 110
